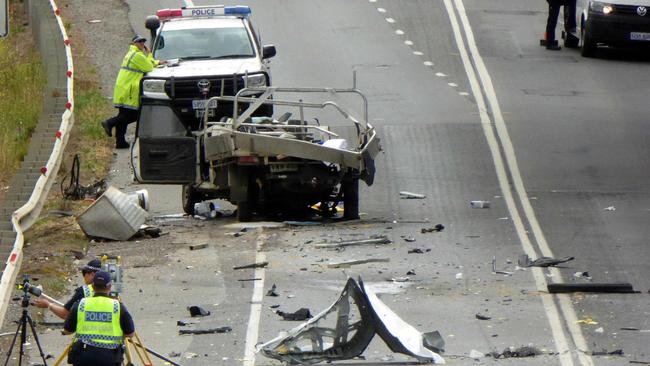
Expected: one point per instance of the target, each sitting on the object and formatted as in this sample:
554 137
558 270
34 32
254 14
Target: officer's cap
138 38
102 279
92 266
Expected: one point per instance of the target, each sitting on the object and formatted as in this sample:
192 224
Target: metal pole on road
4 18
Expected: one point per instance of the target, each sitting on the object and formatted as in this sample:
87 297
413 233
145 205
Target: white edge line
547 300
252 331
565 304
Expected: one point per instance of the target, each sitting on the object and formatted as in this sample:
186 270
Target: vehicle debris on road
381 239
617 288
480 316
253 265
300 314
411 195
479 204
525 261
225 329
327 336
510 352
197 311
437 228
352 262
272 292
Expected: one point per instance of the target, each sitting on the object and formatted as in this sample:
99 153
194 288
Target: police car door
163 152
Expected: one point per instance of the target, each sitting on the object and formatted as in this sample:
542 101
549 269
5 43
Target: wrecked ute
261 164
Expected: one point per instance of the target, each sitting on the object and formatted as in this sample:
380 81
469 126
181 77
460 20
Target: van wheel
588 48
190 197
350 187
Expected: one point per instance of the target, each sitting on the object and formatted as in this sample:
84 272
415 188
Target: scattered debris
411 272
610 208
524 261
618 288
476 354
272 292
356 261
357 308
249 279
409 239
198 246
629 328
197 311
93 21
382 239
300 314
480 316
459 276
416 251
149 231
479 204
252 265
437 228
207 210
587 321
302 223
205 331
400 279
640 362
618 352
411 195
495 270
77 254
112 216
584 275
525 351
599 330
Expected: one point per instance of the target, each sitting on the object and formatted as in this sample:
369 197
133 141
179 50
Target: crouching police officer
88 272
100 323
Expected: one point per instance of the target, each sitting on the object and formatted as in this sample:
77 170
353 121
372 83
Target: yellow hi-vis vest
98 322
88 290
127 86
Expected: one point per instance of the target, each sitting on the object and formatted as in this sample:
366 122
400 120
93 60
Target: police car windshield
203 43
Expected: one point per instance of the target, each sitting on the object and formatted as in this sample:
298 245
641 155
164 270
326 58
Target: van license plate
200 104
277 168
638 36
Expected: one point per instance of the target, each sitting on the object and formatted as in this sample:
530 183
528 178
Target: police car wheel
350 187
190 198
588 47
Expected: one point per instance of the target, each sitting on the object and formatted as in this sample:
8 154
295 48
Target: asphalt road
567 135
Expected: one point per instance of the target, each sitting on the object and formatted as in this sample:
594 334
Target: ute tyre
190 197
350 198
588 45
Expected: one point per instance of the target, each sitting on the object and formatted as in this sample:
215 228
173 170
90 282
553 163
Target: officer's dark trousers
94 356
121 122
551 22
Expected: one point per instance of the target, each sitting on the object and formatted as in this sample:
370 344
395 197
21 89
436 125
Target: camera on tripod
28 289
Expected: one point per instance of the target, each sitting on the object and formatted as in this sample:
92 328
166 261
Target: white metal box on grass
114 215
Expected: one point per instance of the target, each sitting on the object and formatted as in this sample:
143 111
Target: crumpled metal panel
313 341
348 335
112 216
399 335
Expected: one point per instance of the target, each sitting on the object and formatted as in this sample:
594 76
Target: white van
616 23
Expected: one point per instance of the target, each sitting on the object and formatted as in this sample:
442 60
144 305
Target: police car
616 23
211 51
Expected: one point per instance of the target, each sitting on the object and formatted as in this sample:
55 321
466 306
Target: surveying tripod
113 265
25 319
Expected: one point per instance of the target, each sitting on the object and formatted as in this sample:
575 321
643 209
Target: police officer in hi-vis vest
100 324
126 96
88 273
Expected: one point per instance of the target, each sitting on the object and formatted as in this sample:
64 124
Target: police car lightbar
204 11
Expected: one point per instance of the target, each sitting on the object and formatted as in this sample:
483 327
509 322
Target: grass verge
22 83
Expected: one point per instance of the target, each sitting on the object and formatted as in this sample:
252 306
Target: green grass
22 80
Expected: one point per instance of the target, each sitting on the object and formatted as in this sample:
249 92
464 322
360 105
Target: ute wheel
588 45
190 197
350 189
